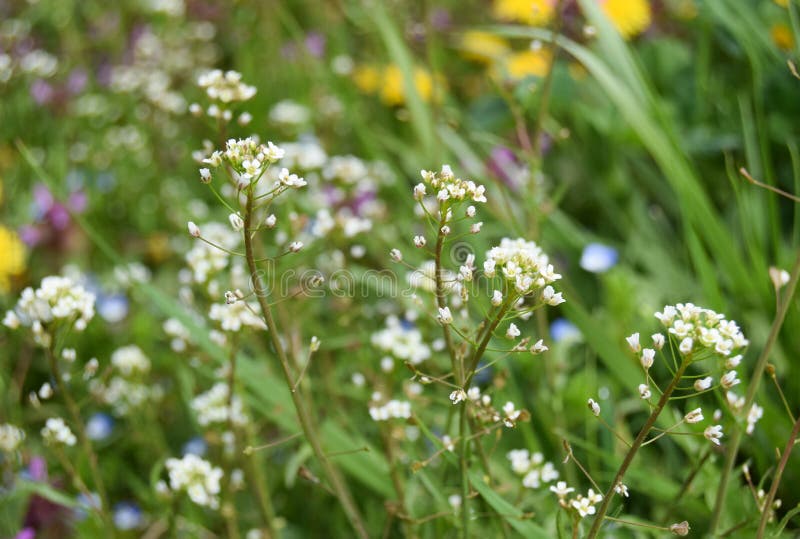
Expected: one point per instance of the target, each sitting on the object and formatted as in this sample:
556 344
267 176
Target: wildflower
497 298
295 246
215 406
778 277
681 528
594 407
523 64
470 211
396 255
713 433
290 180
644 391
99 426
648 356
13 260
539 347
686 346
234 316
205 175
445 317
483 47
358 379
552 298
56 432
46 391
475 228
695 416
511 414
561 489
449 187
403 341
532 12
629 17
455 501
729 380
225 87
474 393
445 230
733 362
130 360
270 220
57 298
457 396
289 113
619 488
393 409
513 331
523 264
197 477
419 241
633 343
755 413
598 258
10 437
658 341
703 383
448 444
315 344
194 230
584 506
236 221
700 328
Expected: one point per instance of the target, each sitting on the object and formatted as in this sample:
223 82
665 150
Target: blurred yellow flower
782 36
527 63
12 257
533 12
630 17
782 3
367 78
483 47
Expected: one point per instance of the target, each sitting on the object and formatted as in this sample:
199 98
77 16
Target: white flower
402 341
523 264
755 413
197 477
476 227
205 175
226 87
474 393
695 416
393 409
420 241
703 383
396 255
130 361
290 180
513 331
729 380
594 407
457 396
236 221
194 230
234 316
550 297
713 433
658 341
470 211
633 343
445 316
213 407
511 414
454 500
778 277
644 391
270 220
46 391
539 347
10 437
583 506
561 489
648 356
295 246
419 191
686 346
619 488
56 432
733 362
315 344
445 230
497 298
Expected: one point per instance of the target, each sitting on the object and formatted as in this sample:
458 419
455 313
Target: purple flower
42 92
77 81
503 164
315 44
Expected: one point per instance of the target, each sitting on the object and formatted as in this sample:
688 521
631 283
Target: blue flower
112 307
127 516
562 329
598 258
99 426
195 446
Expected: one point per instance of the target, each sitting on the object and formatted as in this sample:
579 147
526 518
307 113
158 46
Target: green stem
637 443
86 444
733 446
464 468
303 414
765 512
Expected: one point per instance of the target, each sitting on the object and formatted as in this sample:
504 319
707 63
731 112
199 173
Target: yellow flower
782 36
782 3
527 63
533 12
629 17
393 90
483 47
367 78
12 257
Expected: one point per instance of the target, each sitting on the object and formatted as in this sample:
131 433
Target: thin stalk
762 525
736 439
303 414
440 298
637 443
86 444
463 462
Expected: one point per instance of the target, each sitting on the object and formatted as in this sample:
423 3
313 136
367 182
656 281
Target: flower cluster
394 409
204 259
127 389
197 477
11 437
130 361
225 87
249 159
58 299
525 266
234 316
449 187
532 467
403 340
56 432
583 505
698 329
212 407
